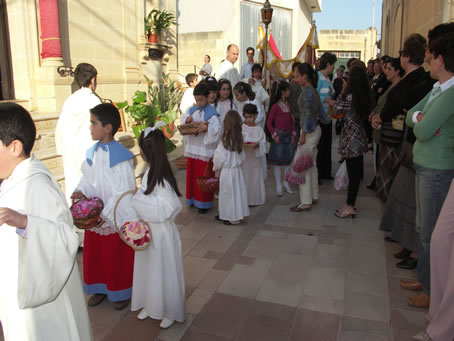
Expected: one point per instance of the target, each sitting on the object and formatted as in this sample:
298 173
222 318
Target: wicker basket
208 183
139 223
189 129
88 223
249 145
181 163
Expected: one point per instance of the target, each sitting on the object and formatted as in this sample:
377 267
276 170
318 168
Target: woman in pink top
281 126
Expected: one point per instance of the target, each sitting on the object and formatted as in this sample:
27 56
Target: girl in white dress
254 166
228 158
244 95
158 284
224 101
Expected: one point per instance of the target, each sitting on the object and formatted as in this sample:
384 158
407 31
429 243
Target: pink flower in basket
134 230
87 208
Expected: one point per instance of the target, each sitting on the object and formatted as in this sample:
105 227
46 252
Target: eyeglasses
402 53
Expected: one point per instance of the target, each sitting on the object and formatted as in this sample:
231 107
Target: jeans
431 187
355 174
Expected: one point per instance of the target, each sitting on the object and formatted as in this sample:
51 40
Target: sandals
301 208
345 212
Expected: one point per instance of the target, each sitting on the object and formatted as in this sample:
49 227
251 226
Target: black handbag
390 136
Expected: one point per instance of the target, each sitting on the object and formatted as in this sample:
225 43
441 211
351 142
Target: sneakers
120 305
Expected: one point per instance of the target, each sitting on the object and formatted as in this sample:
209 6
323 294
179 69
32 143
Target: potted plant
156 22
165 98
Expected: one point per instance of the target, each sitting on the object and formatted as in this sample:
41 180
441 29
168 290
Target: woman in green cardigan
432 120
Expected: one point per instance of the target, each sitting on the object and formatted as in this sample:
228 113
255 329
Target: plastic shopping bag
341 178
302 160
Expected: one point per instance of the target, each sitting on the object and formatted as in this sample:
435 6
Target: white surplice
254 165
223 108
108 183
41 294
158 284
202 146
260 120
228 71
187 100
72 135
260 94
233 205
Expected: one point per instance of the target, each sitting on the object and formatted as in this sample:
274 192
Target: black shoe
403 254
217 217
389 239
203 210
408 264
372 185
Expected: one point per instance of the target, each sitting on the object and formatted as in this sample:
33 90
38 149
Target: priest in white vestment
41 295
227 69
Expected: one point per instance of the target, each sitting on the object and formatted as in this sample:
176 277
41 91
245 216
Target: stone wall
362 41
400 18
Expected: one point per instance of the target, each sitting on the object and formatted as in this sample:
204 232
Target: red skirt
194 195
108 266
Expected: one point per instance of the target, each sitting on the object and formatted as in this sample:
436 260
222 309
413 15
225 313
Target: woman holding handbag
311 112
355 103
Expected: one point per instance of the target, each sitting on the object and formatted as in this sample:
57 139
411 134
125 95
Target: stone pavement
283 276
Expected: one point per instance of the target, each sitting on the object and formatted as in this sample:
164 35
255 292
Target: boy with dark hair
40 292
108 172
72 134
260 93
199 148
188 100
84 74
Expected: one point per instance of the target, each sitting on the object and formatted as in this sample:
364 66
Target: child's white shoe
166 323
287 187
142 315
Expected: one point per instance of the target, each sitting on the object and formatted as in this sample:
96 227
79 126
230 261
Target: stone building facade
346 44
39 37
400 18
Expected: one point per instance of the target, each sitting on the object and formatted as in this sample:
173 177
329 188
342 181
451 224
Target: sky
348 14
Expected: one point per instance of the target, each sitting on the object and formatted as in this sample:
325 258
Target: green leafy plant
158 21
159 103
165 98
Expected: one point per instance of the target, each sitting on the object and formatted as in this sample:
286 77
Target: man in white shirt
246 68
226 69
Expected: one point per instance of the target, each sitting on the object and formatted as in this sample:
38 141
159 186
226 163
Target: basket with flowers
86 212
136 233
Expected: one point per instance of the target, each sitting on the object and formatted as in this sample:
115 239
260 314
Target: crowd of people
241 130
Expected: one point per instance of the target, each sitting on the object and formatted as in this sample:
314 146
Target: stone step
45 122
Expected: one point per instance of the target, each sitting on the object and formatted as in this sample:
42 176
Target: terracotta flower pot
170 127
153 38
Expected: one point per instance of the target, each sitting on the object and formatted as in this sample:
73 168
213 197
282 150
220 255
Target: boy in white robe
188 99
108 172
199 148
41 294
72 134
